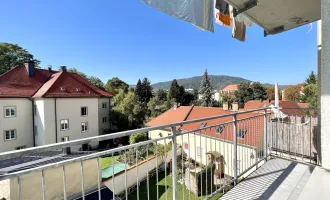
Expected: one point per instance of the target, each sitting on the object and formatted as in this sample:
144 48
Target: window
199 151
64 124
83 111
10 111
64 139
21 147
10 135
104 104
219 129
104 119
84 126
241 133
203 124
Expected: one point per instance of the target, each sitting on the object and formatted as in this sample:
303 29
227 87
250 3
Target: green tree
12 55
139 90
243 94
292 93
146 91
137 137
154 106
115 84
161 95
188 99
75 70
127 110
206 90
259 91
228 98
176 92
96 81
310 95
311 79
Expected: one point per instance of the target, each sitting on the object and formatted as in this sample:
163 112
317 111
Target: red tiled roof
65 84
254 126
256 104
285 105
303 105
17 83
231 87
171 116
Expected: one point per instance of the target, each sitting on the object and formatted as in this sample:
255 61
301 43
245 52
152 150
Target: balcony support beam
325 84
174 164
235 147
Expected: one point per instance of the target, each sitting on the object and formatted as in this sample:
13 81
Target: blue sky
107 38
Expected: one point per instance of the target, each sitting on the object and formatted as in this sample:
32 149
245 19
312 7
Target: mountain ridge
218 82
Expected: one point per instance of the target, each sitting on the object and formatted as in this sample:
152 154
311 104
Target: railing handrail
39 149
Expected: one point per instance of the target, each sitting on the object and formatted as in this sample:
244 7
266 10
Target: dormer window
63 89
78 89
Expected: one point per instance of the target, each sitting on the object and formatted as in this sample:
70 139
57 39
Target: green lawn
107 161
162 190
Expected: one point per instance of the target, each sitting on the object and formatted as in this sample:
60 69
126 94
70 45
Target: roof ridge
44 93
43 85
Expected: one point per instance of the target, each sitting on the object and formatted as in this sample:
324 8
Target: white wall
104 112
22 122
225 148
69 108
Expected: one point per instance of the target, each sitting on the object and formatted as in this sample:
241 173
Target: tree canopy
12 55
206 90
259 91
311 79
310 91
292 93
115 84
137 137
96 81
243 94
176 92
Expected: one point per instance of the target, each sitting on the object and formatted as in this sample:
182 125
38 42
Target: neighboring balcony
256 154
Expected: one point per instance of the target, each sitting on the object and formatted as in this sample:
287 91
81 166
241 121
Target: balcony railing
208 160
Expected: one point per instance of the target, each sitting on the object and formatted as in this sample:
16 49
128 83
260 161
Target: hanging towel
238 28
243 18
198 12
222 20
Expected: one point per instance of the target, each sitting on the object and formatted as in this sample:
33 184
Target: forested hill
217 81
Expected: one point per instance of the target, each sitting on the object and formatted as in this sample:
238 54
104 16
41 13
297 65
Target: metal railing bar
113 178
125 160
98 177
82 180
137 173
19 188
43 185
64 182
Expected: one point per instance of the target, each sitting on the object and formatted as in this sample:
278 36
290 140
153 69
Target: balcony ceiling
271 15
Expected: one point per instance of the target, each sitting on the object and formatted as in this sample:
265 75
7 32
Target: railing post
265 135
235 147
174 164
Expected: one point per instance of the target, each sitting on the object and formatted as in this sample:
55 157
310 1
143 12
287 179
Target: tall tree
12 55
311 79
139 90
146 90
115 84
96 81
292 93
243 94
176 92
206 90
259 91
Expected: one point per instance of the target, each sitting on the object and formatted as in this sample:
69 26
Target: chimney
49 68
235 106
175 106
63 68
30 68
225 106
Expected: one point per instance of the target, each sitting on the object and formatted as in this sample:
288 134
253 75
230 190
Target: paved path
276 179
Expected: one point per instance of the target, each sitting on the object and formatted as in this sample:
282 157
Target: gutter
33 129
55 121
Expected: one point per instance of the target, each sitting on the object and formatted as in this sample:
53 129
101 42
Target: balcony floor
276 179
